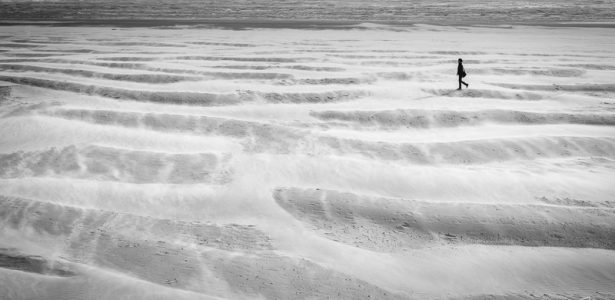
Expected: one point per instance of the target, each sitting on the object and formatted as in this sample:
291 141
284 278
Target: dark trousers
461 81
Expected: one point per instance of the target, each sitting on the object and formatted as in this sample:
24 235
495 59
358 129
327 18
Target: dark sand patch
12 259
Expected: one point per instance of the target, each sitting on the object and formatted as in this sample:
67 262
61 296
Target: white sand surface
341 163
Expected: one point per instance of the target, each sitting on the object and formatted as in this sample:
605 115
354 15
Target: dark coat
461 71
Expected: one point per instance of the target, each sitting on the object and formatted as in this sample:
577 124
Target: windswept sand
341 163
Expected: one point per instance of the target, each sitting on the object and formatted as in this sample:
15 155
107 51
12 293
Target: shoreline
240 24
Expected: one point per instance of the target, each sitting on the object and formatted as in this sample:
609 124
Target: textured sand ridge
395 224
311 162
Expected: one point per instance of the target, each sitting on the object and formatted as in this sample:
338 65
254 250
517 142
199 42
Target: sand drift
342 163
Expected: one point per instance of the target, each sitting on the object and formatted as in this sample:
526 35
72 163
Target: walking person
461 72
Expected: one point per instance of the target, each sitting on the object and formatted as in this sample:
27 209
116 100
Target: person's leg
463 83
459 82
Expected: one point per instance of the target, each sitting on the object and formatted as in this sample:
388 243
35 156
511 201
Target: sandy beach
336 162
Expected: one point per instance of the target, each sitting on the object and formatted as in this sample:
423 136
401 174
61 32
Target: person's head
460 60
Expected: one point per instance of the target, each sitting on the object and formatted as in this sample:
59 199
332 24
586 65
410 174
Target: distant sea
288 12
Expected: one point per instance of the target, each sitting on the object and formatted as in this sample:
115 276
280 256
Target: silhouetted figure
461 72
